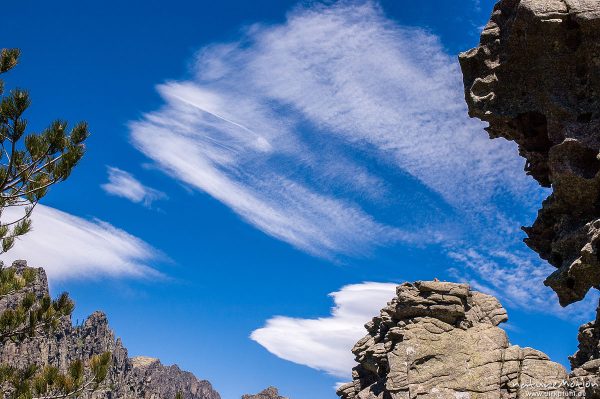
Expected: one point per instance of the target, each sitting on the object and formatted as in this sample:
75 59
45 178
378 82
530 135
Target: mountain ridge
137 377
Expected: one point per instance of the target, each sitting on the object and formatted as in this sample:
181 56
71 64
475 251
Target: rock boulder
442 340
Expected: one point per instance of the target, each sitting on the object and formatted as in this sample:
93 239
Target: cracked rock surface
535 77
442 340
128 378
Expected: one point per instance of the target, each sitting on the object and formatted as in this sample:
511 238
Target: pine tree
29 164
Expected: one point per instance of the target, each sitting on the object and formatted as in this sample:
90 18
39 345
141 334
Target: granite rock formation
535 77
269 393
442 340
138 377
585 363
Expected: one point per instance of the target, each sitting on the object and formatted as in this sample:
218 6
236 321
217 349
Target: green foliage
31 315
49 382
179 395
30 162
40 315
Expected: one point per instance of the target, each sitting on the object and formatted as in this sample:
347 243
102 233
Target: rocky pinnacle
442 340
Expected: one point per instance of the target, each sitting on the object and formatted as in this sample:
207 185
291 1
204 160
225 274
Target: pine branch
31 164
70 394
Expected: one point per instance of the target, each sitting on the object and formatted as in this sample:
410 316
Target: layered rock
535 77
269 393
442 340
137 378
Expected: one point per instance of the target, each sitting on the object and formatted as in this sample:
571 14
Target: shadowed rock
585 363
535 77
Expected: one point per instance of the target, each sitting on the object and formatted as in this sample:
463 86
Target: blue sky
261 173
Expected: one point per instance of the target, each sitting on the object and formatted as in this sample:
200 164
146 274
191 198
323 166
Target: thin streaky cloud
279 126
517 279
124 184
274 128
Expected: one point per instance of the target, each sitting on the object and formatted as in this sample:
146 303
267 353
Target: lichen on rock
535 77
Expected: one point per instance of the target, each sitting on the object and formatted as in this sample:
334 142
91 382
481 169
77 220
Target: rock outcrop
138 377
442 340
585 363
269 393
535 77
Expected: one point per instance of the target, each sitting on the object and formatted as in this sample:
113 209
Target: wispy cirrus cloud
278 126
124 184
517 279
325 343
68 246
338 131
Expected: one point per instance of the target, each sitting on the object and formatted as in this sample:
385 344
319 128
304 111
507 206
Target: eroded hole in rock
573 40
585 162
556 259
423 360
535 144
534 125
581 71
378 389
584 118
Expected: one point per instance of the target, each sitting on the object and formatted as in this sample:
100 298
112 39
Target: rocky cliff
138 377
442 340
535 77
586 361
269 393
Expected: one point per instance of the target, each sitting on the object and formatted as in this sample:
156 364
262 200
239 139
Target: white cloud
68 246
325 343
124 184
275 127
306 128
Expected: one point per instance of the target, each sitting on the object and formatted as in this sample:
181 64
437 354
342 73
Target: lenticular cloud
323 343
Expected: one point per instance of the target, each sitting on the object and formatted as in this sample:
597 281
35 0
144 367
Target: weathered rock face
441 340
137 378
150 379
269 393
535 77
585 363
